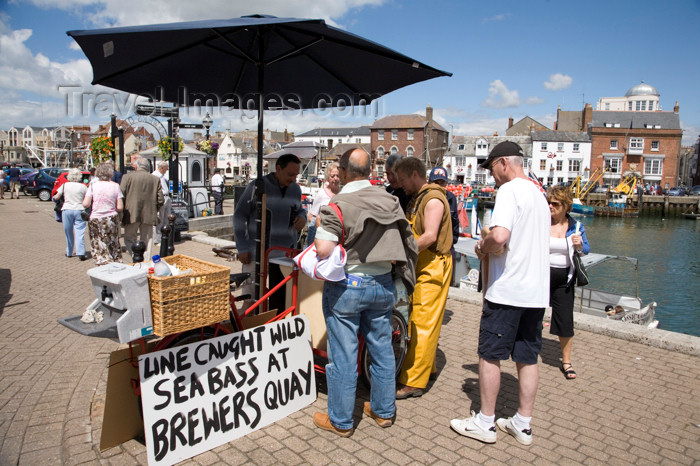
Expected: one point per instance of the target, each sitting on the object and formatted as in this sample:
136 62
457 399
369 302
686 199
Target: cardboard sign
202 395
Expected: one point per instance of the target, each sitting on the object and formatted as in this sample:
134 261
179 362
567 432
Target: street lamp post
207 122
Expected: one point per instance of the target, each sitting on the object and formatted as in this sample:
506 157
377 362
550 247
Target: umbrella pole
259 183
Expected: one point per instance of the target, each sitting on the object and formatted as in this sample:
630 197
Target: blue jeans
311 233
74 227
365 308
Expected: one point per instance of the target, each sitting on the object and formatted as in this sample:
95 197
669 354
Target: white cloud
500 17
121 13
502 97
558 82
691 134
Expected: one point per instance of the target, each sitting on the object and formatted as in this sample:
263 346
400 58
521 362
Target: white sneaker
470 428
523 436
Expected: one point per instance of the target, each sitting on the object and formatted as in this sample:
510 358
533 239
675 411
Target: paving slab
634 402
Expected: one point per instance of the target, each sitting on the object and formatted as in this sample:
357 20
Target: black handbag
85 214
58 209
580 274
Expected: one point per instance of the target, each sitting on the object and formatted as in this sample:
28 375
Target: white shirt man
161 172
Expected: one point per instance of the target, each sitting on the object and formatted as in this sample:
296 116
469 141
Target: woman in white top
73 192
566 236
323 197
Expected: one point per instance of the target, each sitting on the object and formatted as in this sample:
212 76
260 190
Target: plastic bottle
160 267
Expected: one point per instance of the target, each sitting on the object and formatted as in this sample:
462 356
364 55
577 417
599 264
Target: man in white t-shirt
161 172
217 191
517 251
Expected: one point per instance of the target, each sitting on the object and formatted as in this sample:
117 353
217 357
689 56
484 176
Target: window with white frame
460 160
607 106
27 134
560 147
655 145
613 165
653 166
481 145
543 164
560 165
644 105
629 105
560 180
409 151
576 146
574 165
636 145
638 105
651 105
394 134
543 146
394 150
410 134
613 144
380 134
380 151
460 147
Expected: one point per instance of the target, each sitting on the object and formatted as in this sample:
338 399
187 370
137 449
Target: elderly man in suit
143 197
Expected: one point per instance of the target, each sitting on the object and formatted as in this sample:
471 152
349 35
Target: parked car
43 182
677 191
695 190
63 178
601 189
26 180
376 180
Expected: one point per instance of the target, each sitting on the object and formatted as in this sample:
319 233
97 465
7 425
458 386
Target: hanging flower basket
166 149
208 147
101 150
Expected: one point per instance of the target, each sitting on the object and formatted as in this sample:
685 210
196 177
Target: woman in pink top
107 201
323 197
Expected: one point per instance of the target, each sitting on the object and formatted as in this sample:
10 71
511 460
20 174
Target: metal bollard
137 249
171 243
165 240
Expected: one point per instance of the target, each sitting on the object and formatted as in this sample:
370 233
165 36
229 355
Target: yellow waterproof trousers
433 273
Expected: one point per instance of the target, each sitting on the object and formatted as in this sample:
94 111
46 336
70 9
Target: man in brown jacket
142 199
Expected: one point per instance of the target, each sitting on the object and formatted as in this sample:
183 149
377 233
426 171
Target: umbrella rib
298 50
302 50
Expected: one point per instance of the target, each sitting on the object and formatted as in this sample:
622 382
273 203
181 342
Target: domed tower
639 98
642 98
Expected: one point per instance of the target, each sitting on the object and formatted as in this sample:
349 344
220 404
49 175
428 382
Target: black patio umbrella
253 62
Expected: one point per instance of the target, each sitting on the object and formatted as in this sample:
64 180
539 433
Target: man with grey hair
377 238
161 172
143 197
395 187
517 292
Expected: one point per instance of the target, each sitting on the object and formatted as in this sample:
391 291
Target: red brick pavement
632 404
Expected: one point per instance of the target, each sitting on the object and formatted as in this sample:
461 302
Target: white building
560 156
467 152
330 137
237 157
640 98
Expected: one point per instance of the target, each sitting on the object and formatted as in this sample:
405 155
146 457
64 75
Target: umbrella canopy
306 63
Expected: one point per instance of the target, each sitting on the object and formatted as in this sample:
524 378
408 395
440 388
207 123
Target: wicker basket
192 300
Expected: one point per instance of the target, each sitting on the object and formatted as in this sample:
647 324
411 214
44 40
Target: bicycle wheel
399 343
192 336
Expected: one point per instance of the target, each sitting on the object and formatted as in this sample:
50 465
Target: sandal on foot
570 373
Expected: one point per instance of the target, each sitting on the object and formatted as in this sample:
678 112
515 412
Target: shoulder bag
331 268
580 274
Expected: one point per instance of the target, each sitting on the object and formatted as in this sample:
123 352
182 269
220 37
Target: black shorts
510 331
561 298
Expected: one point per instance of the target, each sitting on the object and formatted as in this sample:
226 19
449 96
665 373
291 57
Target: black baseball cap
503 149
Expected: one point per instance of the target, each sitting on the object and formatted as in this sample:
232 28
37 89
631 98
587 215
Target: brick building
411 135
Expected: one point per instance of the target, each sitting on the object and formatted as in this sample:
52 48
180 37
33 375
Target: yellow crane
626 186
580 192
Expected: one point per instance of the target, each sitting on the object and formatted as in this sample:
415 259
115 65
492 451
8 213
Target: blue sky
508 58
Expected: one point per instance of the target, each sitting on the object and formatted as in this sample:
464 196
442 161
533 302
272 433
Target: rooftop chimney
676 108
429 113
510 122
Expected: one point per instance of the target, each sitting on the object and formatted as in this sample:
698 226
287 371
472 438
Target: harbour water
669 265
